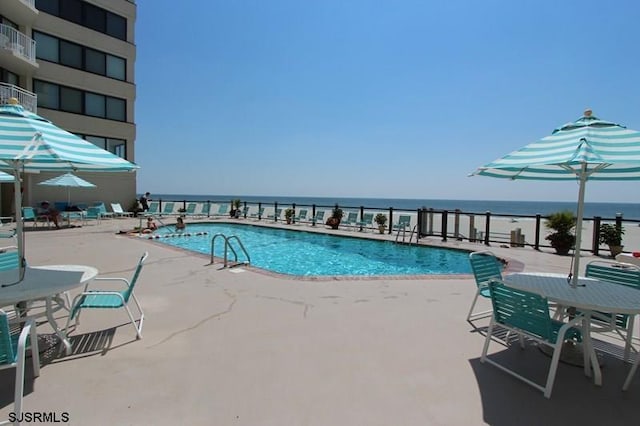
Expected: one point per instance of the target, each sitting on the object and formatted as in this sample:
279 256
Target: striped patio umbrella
68 180
30 143
586 149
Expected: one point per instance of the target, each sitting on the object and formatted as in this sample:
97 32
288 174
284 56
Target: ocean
630 211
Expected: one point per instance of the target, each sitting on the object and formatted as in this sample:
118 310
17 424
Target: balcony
23 12
27 99
17 51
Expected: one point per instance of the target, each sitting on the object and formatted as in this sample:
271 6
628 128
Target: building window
48 94
48 47
114 146
70 54
69 99
87 15
9 77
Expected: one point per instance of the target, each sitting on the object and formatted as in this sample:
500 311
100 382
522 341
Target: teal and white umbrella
586 149
68 180
30 143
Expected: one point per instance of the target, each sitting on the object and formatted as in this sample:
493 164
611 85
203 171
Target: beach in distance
630 211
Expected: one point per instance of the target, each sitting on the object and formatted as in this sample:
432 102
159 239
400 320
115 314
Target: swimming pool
307 254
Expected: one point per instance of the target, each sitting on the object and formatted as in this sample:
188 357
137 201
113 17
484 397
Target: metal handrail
235 237
227 247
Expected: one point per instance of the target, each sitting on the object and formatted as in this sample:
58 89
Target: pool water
311 254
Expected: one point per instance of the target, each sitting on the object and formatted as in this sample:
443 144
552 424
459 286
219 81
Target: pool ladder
403 230
228 247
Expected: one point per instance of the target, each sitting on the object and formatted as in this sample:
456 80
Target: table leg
62 335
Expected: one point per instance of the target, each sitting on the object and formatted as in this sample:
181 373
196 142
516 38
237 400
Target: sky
350 98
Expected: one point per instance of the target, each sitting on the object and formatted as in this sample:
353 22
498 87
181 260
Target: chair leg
551 377
487 340
35 353
473 304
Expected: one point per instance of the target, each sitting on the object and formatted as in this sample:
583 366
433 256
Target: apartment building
73 62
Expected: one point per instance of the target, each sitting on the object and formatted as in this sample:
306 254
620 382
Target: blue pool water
310 254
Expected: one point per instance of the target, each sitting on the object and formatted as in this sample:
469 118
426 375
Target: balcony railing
31 3
18 43
27 99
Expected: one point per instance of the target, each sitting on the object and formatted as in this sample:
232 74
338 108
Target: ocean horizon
629 211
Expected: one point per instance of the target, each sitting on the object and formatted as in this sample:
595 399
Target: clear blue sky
397 99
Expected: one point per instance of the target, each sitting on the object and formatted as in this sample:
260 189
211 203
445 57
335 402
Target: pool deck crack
199 323
306 306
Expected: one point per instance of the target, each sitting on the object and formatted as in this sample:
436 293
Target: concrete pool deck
240 347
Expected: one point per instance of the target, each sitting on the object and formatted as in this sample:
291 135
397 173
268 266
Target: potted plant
381 220
182 211
335 218
235 208
562 240
288 215
611 235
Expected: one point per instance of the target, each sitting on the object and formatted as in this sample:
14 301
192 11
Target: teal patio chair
527 315
103 210
351 219
206 208
29 215
301 216
223 210
486 267
318 218
13 348
93 213
276 214
404 222
154 208
110 299
617 273
366 222
167 209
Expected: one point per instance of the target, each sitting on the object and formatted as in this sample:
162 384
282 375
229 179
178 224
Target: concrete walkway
241 347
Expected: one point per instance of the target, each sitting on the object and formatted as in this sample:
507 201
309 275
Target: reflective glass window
116 67
48 94
47 47
70 54
95 61
95 105
71 100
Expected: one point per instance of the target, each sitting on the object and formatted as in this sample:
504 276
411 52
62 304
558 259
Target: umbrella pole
576 263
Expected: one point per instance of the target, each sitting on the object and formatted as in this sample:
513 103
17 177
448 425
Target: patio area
241 347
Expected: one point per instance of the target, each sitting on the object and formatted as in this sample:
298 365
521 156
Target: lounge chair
276 214
206 208
29 215
167 210
302 215
527 315
350 220
13 355
404 222
318 218
103 210
223 210
119 212
154 208
485 266
366 221
258 215
93 213
109 299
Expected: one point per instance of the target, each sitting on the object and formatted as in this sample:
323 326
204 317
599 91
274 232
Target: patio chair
102 209
206 208
366 222
527 315
93 213
485 266
29 215
223 210
119 212
319 217
276 214
154 208
110 299
404 221
301 216
617 273
13 350
350 220
258 215
167 210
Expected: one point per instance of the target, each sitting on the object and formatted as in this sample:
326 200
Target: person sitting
151 226
46 210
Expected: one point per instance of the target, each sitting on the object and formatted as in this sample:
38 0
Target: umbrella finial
13 101
588 112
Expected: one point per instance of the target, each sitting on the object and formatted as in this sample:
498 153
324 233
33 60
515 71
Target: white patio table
590 295
44 283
